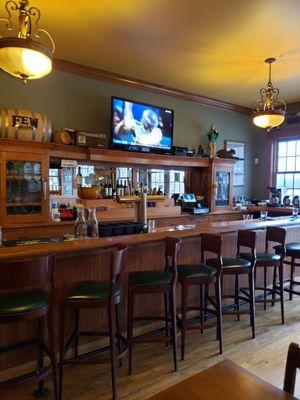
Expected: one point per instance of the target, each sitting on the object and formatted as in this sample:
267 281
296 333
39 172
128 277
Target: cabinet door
24 187
223 188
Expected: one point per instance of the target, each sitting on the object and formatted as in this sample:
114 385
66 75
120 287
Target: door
24 187
222 187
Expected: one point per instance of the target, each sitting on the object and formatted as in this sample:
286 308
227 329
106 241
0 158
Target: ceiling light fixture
269 109
22 56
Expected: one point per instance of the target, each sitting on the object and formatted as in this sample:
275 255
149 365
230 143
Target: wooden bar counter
85 260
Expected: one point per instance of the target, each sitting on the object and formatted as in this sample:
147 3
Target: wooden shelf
119 157
114 157
23 204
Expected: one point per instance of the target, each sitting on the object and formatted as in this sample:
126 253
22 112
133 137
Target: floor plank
265 356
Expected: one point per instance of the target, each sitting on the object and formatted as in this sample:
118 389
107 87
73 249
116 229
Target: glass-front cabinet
222 185
24 187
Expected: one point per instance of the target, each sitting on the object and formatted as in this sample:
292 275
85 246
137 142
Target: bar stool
291 250
239 266
270 260
201 274
25 294
152 282
95 294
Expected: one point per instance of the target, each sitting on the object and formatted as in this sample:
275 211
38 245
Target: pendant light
22 56
269 109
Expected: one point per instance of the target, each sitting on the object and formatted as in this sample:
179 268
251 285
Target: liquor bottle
159 192
105 191
110 191
121 189
118 188
126 189
78 179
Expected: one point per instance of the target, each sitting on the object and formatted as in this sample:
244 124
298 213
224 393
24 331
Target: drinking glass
247 217
263 215
294 212
151 225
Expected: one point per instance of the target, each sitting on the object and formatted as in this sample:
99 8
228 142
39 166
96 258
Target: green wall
76 102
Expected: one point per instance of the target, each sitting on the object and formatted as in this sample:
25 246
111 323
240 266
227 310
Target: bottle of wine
78 179
126 189
110 191
106 190
118 189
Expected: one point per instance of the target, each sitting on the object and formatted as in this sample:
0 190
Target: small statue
223 153
212 138
201 151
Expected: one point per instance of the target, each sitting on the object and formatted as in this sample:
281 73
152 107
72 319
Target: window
68 189
86 170
169 182
287 167
157 179
54 180
176 183
239 168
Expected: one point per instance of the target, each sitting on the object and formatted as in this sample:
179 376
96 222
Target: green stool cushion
195 271
265 257
293 249
150 278
23 301
230 263
90 290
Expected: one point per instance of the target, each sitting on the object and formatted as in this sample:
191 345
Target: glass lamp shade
269 119
25 58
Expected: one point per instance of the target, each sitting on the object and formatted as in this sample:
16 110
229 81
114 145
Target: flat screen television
141 127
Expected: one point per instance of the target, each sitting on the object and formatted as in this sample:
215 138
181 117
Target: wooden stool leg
274 285
130 314
61 348
252 302
183 317
280 270
41 390
50 324
112 336
201 308
76 331
174 325
166 305
265 288
219 313
237 292
292 277
205 299
118 330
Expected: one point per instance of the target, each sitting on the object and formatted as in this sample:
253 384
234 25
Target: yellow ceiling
215 48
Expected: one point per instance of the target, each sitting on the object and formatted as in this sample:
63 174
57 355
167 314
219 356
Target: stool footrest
237 312
38 375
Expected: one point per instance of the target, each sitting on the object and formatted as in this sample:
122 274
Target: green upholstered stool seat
90 290
150 278
23 301
195 271
230 264
264 257
293 249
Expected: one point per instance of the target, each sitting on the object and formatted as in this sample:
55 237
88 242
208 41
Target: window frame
233 144
273 138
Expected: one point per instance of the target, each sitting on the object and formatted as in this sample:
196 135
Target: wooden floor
265 356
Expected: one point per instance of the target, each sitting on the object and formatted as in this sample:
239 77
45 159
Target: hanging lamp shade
269 110
23 57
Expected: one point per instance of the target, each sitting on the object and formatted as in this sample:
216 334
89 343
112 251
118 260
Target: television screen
137 126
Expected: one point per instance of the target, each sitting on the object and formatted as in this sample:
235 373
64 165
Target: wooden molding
101 75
